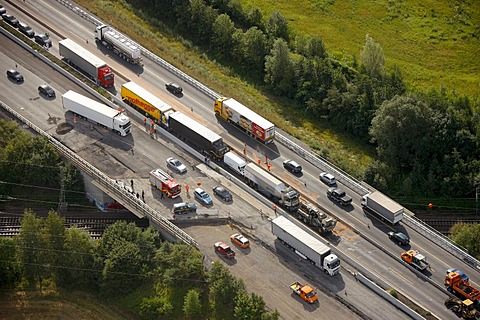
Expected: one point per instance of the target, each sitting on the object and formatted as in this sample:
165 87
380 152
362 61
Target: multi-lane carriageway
153 77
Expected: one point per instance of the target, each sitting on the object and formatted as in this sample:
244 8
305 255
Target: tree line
427 142
169 280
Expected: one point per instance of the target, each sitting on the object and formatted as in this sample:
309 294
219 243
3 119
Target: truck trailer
313 217
383 206
271 187
145 102
121 45
79 57
305 245
165 183
97 112
203 139
253 124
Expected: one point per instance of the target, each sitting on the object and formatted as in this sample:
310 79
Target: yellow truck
305 292
147 103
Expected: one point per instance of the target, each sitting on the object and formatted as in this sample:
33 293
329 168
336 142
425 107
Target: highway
366 252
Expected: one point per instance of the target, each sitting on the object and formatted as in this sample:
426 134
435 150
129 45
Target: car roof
199 190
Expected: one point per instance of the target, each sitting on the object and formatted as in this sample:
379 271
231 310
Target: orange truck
305 292
415 259
461 287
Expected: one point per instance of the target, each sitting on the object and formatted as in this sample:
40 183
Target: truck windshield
175 189
108 76
334 264
126 125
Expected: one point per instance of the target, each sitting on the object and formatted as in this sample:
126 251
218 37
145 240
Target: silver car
328 178
176 165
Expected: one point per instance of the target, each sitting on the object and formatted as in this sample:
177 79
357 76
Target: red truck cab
224 249
106 77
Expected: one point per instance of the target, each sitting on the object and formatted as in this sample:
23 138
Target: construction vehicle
271 187
119 44
305 245
305 292
464 309
253 124
91 65
165 183
383 206
145 102
314 218
97 112
455 284
200 137
415 259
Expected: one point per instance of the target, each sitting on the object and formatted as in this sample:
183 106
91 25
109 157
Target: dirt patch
63 128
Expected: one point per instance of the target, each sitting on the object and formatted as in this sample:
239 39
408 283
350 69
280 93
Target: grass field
434 42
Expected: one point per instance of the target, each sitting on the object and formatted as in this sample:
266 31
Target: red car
224 249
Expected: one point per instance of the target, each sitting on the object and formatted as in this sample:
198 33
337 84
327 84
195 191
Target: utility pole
476 199
62 203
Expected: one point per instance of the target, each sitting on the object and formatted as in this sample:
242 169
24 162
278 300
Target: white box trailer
306 245
383 206
96 112
235 162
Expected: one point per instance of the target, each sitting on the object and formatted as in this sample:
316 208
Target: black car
26 29
43 40
292 166
174 88
11 20
46 90
14 75
222 193
399 237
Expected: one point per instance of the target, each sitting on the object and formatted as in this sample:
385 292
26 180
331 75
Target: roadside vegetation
426 142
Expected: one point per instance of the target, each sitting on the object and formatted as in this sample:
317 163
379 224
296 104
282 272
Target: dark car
14 75
292 166
174 88
2 9
179 208
46 90
339 196
11 20
222 193
399 237
43 39
26 29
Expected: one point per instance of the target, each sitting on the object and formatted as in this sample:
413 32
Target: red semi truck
94 67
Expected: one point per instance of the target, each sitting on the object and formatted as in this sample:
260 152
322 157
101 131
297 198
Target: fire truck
165 183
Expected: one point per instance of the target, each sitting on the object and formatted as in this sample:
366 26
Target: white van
235 162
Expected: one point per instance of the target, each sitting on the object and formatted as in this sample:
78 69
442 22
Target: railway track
443 225
95 224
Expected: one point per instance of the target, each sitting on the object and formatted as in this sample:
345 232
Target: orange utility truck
460 287
305 292
415 259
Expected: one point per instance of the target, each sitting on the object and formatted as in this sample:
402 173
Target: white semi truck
235 162
271 187
97 112
383 206
119 44
305 245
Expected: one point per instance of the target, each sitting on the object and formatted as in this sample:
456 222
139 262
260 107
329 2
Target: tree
279 69
248 307
315 48
199 21
223 287
53 232
32 249
254 46
277 26
9 269
402 129
255 17
372 58
192 307
222 36
468 236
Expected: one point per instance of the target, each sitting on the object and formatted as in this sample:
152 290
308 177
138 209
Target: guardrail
322 164
107 182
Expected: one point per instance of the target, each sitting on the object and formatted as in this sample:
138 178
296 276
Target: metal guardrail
322 164
107 182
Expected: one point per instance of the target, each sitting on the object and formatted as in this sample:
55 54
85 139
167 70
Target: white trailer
305 245
271 187
252 123
383 206
97 112
121 45
235 162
